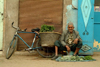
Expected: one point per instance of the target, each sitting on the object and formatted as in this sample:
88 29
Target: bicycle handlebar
25 29
15 27
12 23
37 29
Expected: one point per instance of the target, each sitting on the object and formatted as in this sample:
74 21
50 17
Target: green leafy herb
88 58
75 58
47 28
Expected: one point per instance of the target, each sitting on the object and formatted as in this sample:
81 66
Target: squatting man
69 41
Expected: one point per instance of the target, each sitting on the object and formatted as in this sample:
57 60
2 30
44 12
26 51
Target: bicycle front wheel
11 48
46 52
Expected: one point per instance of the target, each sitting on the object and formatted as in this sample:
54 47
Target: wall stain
96 46
72 14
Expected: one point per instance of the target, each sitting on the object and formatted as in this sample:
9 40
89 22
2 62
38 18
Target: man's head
70 27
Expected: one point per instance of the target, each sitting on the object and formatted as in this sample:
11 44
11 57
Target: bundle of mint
70 58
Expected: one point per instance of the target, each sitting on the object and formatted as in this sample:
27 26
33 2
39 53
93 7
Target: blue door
86 25
96 45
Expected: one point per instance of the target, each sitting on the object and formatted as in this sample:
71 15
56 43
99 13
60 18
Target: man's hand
68 48
75 41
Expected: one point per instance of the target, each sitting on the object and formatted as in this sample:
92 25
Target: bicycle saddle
35 29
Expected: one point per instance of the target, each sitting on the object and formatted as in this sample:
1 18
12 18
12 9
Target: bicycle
45 52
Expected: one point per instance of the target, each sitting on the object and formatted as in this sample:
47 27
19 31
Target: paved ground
24 59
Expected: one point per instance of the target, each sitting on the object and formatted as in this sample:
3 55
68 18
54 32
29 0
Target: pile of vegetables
47 28
75 58
88 58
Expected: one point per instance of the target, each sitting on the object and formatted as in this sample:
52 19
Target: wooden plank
41 8
37 0
40 20
28 38
97 3
34 13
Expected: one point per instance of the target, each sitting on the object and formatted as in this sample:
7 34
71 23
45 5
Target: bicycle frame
25 42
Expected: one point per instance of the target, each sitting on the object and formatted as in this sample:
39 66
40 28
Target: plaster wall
11 15
1 23
70 13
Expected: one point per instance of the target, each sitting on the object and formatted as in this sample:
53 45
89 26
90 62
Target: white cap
70 23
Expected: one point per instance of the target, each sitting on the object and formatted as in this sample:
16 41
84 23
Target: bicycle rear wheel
46 52
11 48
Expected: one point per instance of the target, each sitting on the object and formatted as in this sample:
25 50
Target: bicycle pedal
32 51
29 49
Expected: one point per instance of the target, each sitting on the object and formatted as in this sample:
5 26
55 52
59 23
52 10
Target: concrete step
25 52
96 54
35 53
1 53
22 53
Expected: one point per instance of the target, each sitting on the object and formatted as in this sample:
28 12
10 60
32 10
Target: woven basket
48 38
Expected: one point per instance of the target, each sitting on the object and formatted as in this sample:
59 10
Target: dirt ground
37 61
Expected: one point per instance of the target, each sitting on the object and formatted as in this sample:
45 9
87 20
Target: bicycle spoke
11 48
46 52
